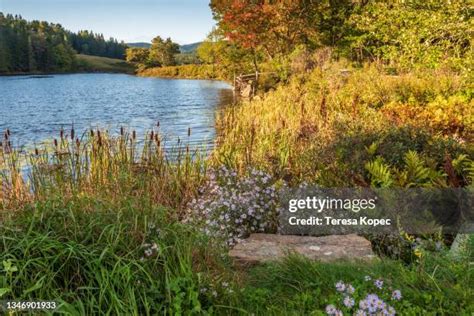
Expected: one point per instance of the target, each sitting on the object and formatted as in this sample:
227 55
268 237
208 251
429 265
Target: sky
185 21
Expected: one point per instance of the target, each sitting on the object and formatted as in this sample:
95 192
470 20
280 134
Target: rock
260 248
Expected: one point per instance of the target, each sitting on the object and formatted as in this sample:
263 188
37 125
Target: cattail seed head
92 133
78 142
189 131
134 135
61 133
158 124
72 133
122 131
36 151
55 142
152 135
8 132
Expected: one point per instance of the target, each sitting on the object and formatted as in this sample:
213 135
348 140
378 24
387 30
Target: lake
35 108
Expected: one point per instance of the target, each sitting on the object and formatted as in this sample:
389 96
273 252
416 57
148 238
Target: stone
260 248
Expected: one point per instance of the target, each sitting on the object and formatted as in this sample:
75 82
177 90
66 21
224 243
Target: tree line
39 46
90 43
401 34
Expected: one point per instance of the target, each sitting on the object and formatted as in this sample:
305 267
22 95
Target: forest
38 46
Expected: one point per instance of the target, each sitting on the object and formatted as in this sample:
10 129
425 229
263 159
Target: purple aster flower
350 289
363 304
348 301
380 304
338 313
391 311
378 284
331 309
360 312
340 286
397 295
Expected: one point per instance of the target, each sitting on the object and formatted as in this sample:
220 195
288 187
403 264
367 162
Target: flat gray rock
260 248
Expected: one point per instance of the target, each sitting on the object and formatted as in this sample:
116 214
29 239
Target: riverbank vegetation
362 94
88 63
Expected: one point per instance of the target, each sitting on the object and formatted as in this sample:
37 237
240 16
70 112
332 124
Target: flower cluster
368 305
231 206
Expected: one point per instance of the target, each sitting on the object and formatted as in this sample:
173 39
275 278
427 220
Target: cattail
92 133
158 124
8 132
99 138
5 136
179 140
158 142
78 143
189 131
134 135
72 133
187 149
36 151
55 142
152 135
61 133
122 131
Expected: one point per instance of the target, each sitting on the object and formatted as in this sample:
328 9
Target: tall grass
99 164
187 72
292 131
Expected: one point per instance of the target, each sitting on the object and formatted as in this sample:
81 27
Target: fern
464 167
379 173
416 172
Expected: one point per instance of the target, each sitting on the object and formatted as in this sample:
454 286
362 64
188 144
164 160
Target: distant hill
189 48
139 45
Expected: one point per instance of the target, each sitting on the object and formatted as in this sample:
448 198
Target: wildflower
397 295
348 301
380 304
363 304
391 311
418 253
378 284
360 312
350 289
340 286
367 278
331 310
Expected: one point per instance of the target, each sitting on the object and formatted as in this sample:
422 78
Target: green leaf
4 291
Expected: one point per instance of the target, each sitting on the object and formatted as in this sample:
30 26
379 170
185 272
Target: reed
99 164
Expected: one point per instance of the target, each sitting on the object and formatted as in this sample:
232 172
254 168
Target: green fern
379 173
416 172
464 166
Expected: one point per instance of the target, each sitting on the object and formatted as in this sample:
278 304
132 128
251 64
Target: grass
186 72
89 63
307 130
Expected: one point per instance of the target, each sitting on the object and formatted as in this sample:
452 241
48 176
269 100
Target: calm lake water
35 108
